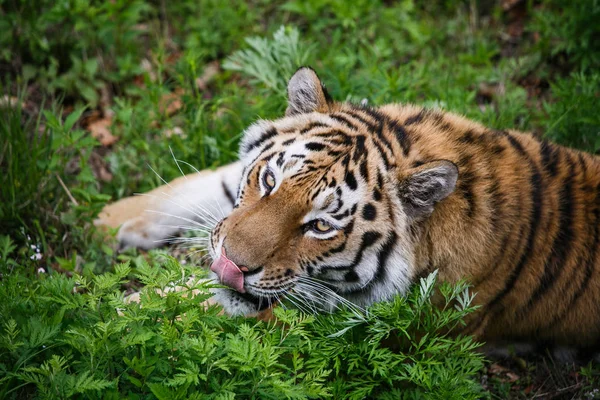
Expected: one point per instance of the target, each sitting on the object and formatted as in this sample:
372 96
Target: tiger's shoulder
522 224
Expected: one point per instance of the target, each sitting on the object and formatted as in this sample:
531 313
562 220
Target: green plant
569 32
72 48
572 117
66 336
271 62
25 159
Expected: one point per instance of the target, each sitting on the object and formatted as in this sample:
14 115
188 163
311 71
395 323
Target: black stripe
336 137
346 161
264 137
349 228
313 125
341 216
381 122
589 267
401 136
415 119
384 155
261 154
342 119
228 193
358 117
350 180
368 239
279 161
561 245
382 259
536 200
359 149
468 137
351 277
550 157
314 146
364 170
514 142
465 187
340 204
337 249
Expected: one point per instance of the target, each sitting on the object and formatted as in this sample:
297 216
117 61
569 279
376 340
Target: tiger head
323 211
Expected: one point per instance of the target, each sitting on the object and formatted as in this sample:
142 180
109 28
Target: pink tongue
229 274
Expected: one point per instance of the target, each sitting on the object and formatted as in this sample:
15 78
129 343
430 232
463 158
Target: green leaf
73 118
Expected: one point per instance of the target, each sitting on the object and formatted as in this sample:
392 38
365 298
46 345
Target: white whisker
199 228
169 199
175 216
159 177
176 163
354 308
189 165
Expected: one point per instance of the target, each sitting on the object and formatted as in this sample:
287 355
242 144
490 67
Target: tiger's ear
306 93
422 187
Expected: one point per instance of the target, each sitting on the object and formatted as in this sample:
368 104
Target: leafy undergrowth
97 95
78 336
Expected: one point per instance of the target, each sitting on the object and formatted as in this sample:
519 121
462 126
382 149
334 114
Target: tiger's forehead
264 133
311 153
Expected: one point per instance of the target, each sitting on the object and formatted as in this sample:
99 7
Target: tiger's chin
242 304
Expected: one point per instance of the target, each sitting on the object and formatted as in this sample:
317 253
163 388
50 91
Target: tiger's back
522 226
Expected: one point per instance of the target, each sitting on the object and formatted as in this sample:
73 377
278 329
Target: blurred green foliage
65 62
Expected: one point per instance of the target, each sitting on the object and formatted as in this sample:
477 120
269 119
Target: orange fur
522 223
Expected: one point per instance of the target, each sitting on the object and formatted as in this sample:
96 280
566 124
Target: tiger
361 202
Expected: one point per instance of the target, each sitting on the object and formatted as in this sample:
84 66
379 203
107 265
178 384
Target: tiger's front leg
147 220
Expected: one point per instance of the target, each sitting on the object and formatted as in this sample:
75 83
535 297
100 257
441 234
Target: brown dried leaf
497 369
170 103
503 373
512 377
100 130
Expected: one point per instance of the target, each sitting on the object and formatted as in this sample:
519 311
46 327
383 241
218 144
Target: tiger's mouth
260 302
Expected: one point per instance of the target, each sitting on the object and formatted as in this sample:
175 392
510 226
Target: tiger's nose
229 273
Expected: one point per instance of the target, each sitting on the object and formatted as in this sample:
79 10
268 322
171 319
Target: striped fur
409 191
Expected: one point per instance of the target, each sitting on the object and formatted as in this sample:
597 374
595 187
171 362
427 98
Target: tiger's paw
137 226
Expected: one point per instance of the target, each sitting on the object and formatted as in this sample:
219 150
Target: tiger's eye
322 226
269 180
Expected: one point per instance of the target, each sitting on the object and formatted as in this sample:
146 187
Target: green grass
68 63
